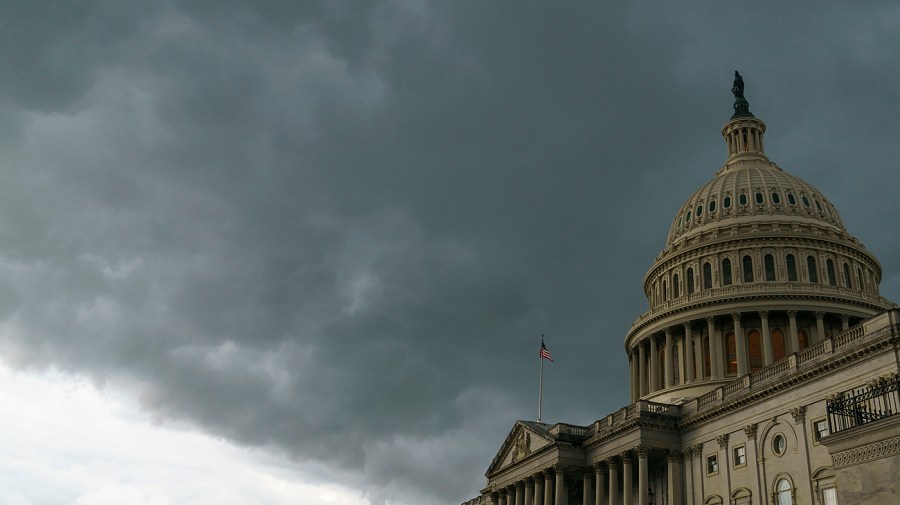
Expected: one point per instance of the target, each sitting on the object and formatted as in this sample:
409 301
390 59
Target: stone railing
790 288
880 325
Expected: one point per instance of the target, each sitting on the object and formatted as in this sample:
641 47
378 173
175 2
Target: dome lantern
744 132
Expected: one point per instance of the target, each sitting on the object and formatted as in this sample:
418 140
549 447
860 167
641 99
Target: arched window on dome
769 262
707 276
754 346
801 339
784 495
776 197
742 199
778 344
726 272
675 289
811 266
726 202
847 280
712 205
829 269
665 293
748 269
690 281
760 198
731 353
791 267
792 199
861 280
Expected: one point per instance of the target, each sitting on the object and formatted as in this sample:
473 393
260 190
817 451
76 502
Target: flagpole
541 383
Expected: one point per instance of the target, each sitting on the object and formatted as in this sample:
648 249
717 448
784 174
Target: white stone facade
763 314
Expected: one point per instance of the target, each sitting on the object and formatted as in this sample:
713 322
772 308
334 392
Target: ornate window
777 344
819 206
829 268
726 202
754 345
784 493
690 281
726 272
712 205
707 276
805 201
847 280
699 211
742 200
811 266
769 262
791 267
748 269
665 293
760 198
779 444
776 198
675 289
792 199
862 280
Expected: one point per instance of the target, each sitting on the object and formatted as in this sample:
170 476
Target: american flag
545 354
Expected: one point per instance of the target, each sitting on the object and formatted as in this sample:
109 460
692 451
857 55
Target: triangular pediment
525 438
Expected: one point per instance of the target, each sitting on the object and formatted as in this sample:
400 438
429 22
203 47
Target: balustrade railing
876 400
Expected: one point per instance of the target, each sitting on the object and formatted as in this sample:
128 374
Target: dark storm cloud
338 229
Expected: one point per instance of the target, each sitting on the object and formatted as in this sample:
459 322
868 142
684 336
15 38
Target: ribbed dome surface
750 190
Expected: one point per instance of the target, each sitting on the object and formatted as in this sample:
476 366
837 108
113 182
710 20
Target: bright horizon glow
65 441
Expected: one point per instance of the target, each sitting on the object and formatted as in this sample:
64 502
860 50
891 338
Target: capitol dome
757 266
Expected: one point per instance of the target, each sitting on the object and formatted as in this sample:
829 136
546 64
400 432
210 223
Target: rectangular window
820 429
740 456
712 464
829 496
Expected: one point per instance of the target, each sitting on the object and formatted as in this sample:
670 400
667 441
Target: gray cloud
338 230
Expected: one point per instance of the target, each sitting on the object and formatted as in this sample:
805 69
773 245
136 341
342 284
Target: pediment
525 438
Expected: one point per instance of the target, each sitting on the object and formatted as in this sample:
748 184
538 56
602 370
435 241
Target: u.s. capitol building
765 370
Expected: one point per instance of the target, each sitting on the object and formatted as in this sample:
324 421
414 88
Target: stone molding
674 456
600 466
697 449
627 457
870 452
722 440
642 451
799 414
750 431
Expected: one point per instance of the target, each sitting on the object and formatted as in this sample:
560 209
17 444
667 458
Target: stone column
613 481
688 354
669 365
539 488
626 478
642 369
688 481
529 491
548 487
795 340
766 338
715 359
820 326
586 487
502 497
674 469
845 322
495 499
643 476
599 484
515 494
740 344
654 364
560 485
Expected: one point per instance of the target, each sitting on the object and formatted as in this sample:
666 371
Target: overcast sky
324 238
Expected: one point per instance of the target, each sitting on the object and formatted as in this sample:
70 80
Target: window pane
707 276
829 496
811 266
726 272
791 267
770 267
748 269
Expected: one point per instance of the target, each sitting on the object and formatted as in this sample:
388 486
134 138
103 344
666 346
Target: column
626 478
586 487
548 487
643 476
654 364
845 322
766 338
688 354
642 368
688 481
669 365
529 491
740 345
715 361
539 488
560 484
502 497
613 481
599 484
515 494
795 340
820 326
673 462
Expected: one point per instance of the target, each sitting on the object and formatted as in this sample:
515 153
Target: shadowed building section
764 370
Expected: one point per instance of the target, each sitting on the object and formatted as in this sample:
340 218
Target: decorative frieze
870 452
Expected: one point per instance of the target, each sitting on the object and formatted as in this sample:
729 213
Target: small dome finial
741 106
